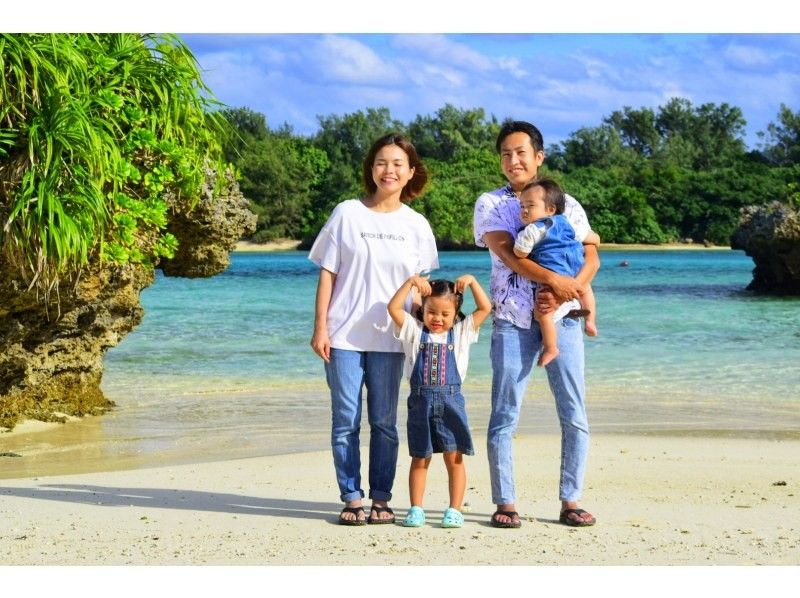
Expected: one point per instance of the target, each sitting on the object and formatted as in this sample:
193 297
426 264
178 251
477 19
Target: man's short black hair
520 126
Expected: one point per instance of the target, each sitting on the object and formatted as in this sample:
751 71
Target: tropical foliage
99 136
644 176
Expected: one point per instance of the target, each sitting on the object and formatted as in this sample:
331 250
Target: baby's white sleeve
528 237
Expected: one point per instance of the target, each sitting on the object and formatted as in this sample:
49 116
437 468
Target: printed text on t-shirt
388 236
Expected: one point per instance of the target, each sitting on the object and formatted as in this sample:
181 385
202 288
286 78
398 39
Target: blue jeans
514 351
347 373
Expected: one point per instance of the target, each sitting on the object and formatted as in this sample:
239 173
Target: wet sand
207 428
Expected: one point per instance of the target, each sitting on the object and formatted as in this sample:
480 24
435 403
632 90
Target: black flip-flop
507 525
355 511
377 520
563 518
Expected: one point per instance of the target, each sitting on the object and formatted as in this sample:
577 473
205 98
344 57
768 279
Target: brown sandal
377 520
506 524
355 511
564 518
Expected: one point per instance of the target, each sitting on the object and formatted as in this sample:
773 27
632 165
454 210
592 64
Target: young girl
436 345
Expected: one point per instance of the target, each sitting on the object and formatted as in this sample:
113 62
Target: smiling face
533 206
519 160
390 170
439 313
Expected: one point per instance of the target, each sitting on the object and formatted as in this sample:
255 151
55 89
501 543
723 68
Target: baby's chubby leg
549 337
588 302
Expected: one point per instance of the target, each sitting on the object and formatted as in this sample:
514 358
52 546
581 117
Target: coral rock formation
770 234
51 353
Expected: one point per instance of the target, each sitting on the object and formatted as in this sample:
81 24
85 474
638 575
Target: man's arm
564 287
591 264
592 239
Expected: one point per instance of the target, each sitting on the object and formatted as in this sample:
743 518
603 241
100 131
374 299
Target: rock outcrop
51 353
208 232
770 234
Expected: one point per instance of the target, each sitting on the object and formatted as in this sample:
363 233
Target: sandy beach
280 245
659 500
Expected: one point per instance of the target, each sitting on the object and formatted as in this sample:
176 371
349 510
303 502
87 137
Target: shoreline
127 438
292 245
31 451
658 501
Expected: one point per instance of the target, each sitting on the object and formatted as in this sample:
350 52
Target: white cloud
346 60
513 66
746 56
440 49
599 69
271 55
231 75
432 76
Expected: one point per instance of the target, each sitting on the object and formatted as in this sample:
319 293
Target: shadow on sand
189 500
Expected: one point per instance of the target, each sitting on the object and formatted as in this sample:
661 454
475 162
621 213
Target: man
516 338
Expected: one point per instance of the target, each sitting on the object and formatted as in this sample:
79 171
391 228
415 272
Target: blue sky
560 82
551 65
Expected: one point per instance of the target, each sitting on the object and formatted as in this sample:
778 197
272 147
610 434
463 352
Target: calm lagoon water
221 367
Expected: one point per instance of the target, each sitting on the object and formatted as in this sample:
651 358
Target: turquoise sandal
414 518
452 518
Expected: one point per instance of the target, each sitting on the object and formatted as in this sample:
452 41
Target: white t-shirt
464 334
372 254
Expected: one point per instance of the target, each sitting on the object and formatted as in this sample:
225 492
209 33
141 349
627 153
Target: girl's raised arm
483 305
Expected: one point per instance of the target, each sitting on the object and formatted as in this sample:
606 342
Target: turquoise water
221 367
680 340
671 323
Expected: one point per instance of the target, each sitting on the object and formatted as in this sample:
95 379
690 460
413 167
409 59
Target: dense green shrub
100 135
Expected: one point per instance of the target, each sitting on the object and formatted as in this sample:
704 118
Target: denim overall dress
437 418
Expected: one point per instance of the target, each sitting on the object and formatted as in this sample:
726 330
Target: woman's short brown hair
414 186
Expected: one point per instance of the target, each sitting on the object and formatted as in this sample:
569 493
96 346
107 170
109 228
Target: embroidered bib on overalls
435 364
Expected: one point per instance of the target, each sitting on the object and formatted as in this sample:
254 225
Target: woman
366 250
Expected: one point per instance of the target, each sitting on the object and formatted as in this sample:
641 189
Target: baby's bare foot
547 356
590 328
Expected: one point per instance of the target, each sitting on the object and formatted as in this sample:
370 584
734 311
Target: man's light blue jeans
514 352
347 373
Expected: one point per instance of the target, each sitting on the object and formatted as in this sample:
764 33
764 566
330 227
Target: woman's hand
321 343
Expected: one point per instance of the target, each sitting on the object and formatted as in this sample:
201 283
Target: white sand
658 501
280 245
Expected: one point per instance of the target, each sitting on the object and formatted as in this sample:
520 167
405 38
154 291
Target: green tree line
680 172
